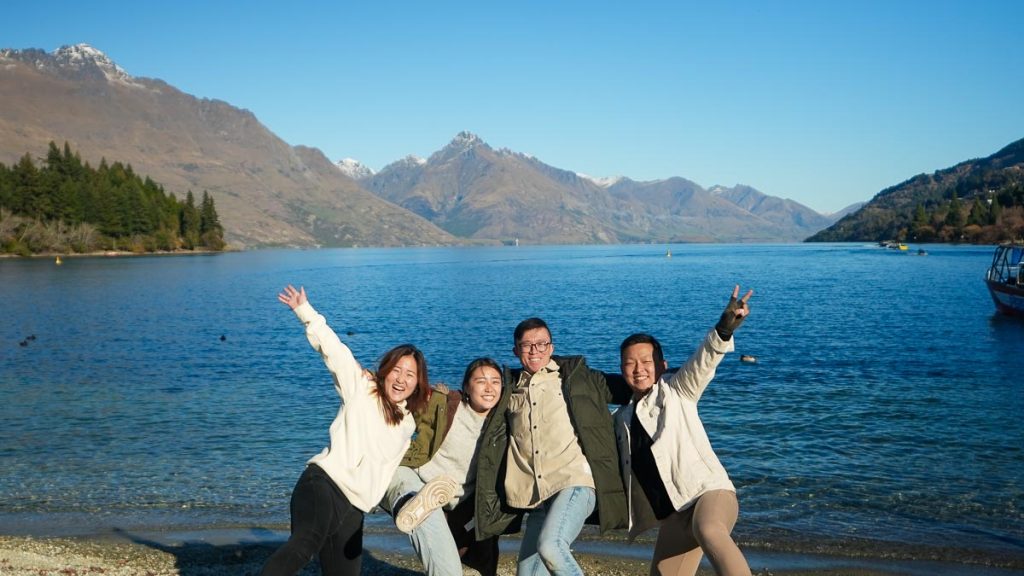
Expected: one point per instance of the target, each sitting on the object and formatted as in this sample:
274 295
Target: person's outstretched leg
676 552
567 511
529 560
713 519
435 546
342 553
312 520
432 539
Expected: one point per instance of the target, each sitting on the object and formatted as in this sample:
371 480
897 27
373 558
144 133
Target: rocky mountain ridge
471 189
268 192
271 193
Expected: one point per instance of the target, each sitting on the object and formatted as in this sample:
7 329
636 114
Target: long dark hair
393 412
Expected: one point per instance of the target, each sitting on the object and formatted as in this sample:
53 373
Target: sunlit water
886 402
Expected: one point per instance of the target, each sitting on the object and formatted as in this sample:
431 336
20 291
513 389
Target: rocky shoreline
127 555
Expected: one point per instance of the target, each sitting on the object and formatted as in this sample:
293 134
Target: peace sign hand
735 313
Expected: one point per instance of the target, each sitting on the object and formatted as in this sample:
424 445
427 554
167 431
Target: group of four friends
457 469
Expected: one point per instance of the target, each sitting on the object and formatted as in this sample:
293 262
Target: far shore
114 253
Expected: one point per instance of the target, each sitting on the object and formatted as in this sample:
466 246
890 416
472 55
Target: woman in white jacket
672 475
368 437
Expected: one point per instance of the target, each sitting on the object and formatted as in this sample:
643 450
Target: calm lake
887 402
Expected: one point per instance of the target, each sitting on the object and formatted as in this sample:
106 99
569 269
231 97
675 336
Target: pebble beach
220 553
29 556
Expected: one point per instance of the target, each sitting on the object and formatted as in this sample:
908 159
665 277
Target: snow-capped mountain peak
606 182
354 168
80 61
465 139
81 56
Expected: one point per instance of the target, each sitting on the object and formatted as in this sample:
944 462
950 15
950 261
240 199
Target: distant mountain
354 169
472 190
848 210
267 192
980 200
781 211
270 193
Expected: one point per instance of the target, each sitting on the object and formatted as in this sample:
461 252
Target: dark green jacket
587 393
432 426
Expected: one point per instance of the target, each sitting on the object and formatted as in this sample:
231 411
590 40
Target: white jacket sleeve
693 378
348 375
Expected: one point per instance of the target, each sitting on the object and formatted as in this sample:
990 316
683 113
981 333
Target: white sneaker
432 496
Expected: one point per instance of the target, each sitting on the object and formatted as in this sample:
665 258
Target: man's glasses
538 346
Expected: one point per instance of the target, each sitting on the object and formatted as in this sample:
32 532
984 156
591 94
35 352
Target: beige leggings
704 527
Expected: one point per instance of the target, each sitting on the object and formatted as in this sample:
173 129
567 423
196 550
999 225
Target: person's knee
552 552
711 534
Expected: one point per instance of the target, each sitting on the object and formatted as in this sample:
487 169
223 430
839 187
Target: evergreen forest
979 201
65 206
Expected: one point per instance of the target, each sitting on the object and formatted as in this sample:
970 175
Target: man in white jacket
672 475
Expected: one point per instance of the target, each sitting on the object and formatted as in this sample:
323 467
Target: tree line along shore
65 206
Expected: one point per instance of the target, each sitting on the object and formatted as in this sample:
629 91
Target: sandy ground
117 556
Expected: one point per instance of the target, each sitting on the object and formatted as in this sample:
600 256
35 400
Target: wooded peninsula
66 206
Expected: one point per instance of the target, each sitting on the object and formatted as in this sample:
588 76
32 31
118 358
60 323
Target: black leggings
324 522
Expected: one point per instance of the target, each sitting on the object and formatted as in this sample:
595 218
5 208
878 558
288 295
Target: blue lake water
887 402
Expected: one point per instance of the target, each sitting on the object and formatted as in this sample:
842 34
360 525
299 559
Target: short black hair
642 338
528 324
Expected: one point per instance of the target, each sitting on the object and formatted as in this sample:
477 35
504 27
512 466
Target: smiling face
640 369
534 349
483 389
400 382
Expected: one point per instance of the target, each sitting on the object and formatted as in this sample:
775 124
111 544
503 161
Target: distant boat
668 253
1005 279
892 245
58 261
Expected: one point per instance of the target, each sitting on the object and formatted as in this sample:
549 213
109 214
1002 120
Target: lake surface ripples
886 403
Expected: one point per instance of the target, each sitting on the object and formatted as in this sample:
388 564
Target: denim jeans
551 528
324 523
432 540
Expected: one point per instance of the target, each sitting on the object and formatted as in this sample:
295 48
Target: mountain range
270 193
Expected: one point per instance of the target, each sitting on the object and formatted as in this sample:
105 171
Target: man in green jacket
554 455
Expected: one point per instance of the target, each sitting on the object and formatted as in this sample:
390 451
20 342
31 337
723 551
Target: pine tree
28 198
920 216
955 216
211 232
190 221
995 212
978 215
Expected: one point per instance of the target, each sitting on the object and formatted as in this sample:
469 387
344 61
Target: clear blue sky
823 102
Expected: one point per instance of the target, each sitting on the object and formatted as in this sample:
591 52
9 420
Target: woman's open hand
292 297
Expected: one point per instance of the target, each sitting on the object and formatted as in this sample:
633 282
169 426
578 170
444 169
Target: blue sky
823 102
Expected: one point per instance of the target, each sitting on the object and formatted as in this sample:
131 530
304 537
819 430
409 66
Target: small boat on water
893 245
1005 279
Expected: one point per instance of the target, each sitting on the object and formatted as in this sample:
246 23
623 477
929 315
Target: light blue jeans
432 539
551 528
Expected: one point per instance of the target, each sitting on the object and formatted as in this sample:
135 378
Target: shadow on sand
245 557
